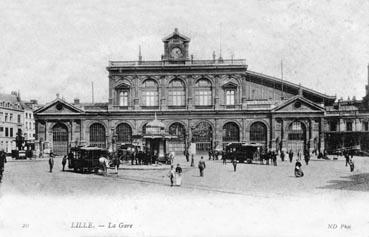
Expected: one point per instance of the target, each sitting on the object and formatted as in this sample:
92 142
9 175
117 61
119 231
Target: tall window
231 132
11 132
176 93
97 135
19 118
124 132
203 92
123 98
230 95
333 126
296 131
150 93
258 132
177 129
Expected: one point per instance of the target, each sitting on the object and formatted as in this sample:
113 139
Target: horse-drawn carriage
243 152
86 158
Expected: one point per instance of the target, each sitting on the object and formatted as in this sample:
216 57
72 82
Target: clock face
176 52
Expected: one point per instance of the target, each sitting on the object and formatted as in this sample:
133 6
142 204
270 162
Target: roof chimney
76 101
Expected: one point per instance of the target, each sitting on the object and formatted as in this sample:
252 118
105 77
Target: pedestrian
234 163
282 155
202 166
298 171
187 156
210 154
171 175
307 157
347 157
178 175
290 156
274 158
51 162
224 159
268 157
192 161
64 161
116 162
2 164
299 155
352 166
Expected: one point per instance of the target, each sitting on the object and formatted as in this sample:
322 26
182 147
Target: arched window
177 129
231 132
124 133
296 131
97 135
177 93
202 132
150 93
203 93
258 132
60 139
123 98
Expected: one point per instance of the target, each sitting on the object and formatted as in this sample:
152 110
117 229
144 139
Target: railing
177 63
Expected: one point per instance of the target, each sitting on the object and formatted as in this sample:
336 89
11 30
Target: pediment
122 86
298 104
58 106
230 84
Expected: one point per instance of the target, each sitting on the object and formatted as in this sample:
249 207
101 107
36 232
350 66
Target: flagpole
282 79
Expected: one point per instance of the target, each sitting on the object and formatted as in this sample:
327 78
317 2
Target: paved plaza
256 199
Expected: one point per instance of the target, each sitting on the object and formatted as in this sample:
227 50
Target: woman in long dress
178 177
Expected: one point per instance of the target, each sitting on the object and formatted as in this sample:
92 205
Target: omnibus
243 152
86 158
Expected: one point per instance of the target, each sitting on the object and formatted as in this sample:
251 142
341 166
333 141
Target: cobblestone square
256 199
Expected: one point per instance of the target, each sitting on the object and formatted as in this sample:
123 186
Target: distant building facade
11 120
208 103
348 123
16 122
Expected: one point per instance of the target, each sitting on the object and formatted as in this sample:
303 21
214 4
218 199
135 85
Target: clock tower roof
176 34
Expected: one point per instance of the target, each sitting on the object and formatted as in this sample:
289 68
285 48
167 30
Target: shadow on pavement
356 182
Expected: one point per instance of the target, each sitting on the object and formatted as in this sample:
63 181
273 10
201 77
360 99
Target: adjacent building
11 120
207 103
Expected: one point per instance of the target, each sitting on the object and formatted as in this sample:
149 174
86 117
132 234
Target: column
190 92
163 93
216 92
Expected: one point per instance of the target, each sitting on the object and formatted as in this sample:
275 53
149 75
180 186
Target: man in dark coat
298 171
202 166
51 162
307 157
2 164
64 161
290 156
282 156
234 163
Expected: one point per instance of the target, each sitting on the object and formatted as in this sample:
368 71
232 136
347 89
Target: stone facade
206 102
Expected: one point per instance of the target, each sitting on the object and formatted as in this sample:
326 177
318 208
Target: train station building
206 103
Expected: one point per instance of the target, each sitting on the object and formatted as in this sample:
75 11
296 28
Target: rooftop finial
176 30
57 95
300 89
139 53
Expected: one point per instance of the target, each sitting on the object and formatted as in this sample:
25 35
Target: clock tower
176 47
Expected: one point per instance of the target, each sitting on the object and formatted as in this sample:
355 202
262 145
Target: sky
49 47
